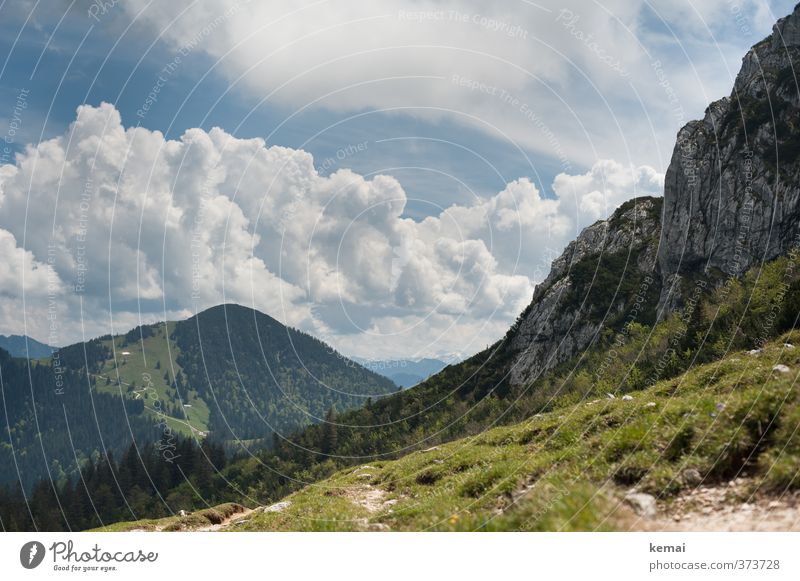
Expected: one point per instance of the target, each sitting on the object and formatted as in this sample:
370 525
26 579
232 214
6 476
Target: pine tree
330 435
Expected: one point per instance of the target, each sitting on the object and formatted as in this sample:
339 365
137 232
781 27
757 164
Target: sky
392 177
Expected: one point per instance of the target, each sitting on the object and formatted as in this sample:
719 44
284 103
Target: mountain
23 346
621 311
605 279
688 303
731 202
258 376
732 190
572 468
405 372
229 374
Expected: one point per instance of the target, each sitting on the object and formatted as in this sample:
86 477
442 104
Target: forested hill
23 346
230 374
258 376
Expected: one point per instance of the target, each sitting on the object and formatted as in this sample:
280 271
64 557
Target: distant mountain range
230 374
22 346
405 372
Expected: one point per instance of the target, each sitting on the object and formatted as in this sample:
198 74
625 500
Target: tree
330 436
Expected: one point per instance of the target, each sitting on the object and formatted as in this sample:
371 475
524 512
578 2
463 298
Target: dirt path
728 507
368 497
225 523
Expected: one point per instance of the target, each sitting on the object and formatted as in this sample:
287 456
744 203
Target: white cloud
20 272
592 196
142 228
569 79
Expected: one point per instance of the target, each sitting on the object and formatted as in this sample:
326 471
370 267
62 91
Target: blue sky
81 61
503 133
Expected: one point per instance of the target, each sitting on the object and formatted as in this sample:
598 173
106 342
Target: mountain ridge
24 346
166 378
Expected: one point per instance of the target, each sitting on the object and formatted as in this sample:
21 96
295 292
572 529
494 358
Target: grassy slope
127 377
567 469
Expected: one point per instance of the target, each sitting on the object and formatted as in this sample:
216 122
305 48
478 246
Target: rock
755 351
650 404
611 396
182 513
781 368
788 346
553 329
642 504
278 506
627 397
725 210
378 527
692 477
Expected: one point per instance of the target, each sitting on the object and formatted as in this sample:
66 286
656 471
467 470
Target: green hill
230 374
571 468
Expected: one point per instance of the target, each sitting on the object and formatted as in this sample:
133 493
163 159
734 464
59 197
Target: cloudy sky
392 177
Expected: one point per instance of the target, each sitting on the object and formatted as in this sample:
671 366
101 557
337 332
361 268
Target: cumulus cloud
593 195
141 228
20 272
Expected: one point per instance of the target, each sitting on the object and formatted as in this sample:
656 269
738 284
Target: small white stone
781 368
611 396
788 346
278 506
650 404
627 397
642 504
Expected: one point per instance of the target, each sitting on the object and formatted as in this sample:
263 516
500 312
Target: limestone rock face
731 201
564 316
732 190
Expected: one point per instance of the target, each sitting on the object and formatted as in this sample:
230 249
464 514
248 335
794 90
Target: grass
192 521
567 469
135 376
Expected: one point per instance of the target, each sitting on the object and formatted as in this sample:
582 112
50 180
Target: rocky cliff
732 190
731 201
607 276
